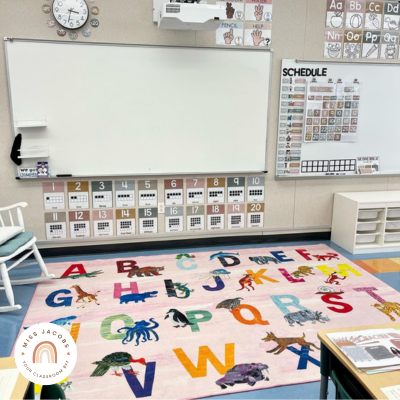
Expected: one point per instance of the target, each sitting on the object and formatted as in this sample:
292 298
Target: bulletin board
113 109
375 119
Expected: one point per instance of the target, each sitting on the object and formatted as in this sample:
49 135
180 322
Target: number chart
53 195
195 191
78 195
255 215
148 220
147 193
236 190
195 218
103 223
173 189
79 224
216 190
126 221
56 225
102 195
173 219
215 216
236 216
255 188
125 194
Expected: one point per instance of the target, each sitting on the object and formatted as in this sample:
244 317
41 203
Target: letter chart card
335 13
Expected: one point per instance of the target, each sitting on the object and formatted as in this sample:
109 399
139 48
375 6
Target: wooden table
371 383
22 384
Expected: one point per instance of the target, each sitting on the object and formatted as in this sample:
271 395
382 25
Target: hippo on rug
244 373
136 297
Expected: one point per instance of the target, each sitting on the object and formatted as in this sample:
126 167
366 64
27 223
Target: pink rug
179 327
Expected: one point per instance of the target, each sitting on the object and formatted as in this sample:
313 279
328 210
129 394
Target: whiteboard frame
11 39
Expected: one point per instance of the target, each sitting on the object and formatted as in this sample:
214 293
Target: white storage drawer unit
367 222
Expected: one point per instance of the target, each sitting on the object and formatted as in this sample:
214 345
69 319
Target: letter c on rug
105 329
195 321
63 301
257 315
180 264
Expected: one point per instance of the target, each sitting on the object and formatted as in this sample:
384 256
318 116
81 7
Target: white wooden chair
12 248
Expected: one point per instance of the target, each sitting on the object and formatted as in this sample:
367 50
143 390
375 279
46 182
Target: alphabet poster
352 44
333 44
355 14
373 14
391 18
389 45
335 13
371 44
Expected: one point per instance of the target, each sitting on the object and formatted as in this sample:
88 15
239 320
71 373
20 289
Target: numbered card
195 191
56 225
147 193
53 195
173 219
173 189
148 220
255 215
195 218
216 216
78 194
236 216
236 189
126 221
103 223
102 196
216 190
125 193
79 224
255 188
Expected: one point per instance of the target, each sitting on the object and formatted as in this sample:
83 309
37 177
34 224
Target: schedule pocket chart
236 216
195 191
236 190
148 220
79 224
173 219
147 193
255 215
56 225
102 195
195 218
53 195
125 194
216 190
216 216
126 221
103 223
173 189
78 195
255 188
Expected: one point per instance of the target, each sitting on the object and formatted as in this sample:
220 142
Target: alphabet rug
183 326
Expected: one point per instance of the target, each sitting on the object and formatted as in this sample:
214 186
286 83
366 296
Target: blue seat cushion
12 245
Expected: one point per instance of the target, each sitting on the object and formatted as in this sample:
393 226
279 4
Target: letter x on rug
182 326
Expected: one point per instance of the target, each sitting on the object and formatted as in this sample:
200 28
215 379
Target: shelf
32 123
34 152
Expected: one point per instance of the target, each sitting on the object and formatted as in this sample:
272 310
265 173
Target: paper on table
8 379
392 392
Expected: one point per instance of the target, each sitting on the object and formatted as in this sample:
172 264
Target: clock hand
72 10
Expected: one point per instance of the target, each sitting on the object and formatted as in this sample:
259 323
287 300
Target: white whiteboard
378 126
124 109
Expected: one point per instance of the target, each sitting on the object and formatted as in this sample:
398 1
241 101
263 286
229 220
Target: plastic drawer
393 213
368 214
367 238
367 226
392 237
393 225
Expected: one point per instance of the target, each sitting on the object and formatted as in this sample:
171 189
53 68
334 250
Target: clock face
70 14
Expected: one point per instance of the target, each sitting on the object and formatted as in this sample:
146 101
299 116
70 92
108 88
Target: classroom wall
298 32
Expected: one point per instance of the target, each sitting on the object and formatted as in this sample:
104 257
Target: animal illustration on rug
283 343
217 272
140 329
327 290
230 304
262 260
222 254
388 308
136 297
60 322
302 271
182 288
66 386
179 256
305 315
115 361
244 373
177 318
246 281
333 279
144 271
82 295
87 275
327 257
